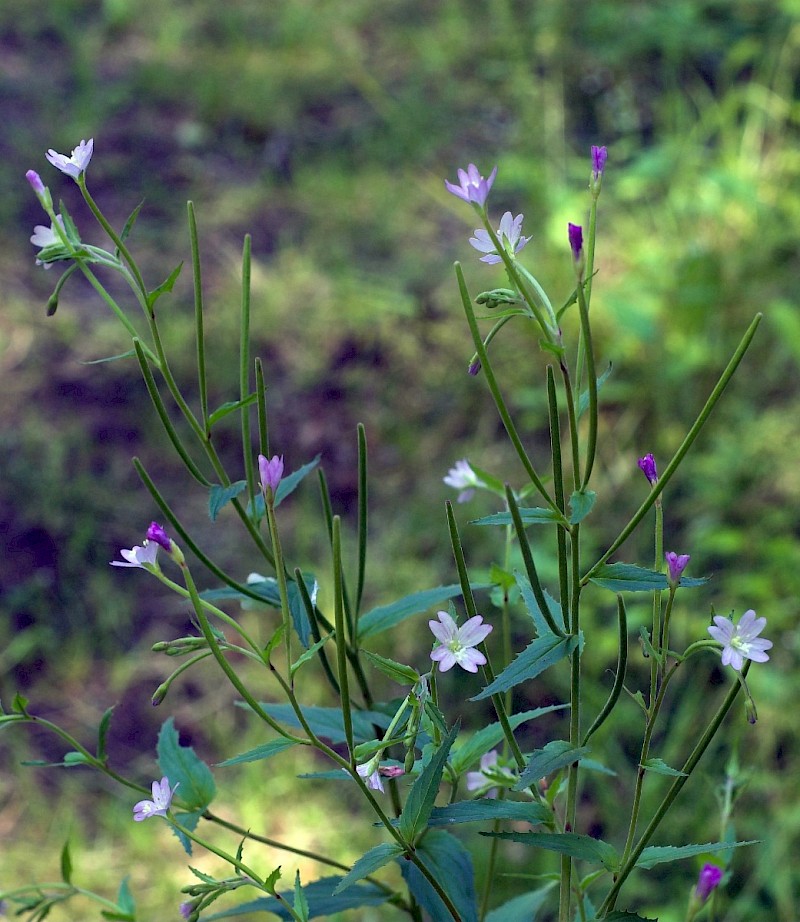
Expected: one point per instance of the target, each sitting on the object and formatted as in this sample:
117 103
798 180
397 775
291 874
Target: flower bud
676 564
156 533
647 465
496 297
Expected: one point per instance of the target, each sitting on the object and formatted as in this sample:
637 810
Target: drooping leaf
370 861
542 627
555 755
521 908
267 751
660 767
659 854
320 899
397 672
182 766
539 655
219 496
385 616
581 503
584 848
422 795
327 722
628 577
449 863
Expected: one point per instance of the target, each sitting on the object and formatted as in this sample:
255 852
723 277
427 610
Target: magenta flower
741 642
509 234
575 234
676 564
648 467
472 186
463 478
138 556
709 879
159 805
156 533
456 644
75 164
270 472
369 770
599 157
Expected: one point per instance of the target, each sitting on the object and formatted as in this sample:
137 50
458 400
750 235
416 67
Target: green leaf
539 655
230 407
188 821
659 854
581 502
484 809
649 649
166 286
584 848
102 734
533 515
110 358
271 881
620 916
449 863
125 898
660 767
20 705
66 864
327 722
310 653
397 672
627 577
422 795
542 627
267 751
182 766
320 898
129 223
490 736
76 758
521 908
583 400
382 618
268 590
373 859
552 757
219 496
300 905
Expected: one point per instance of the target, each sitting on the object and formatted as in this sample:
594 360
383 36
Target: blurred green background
325 128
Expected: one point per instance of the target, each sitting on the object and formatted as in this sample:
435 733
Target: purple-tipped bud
676 564
156 533
270 471
36 182
599 157
575 233
648 467
474 367
707 883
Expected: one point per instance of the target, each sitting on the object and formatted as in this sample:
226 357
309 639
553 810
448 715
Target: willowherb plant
437 774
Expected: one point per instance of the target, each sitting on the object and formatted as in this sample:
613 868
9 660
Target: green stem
198 316
619 679
558 487
341 637
591 374
280 575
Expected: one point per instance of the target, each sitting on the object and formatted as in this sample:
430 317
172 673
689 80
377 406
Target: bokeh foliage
325 127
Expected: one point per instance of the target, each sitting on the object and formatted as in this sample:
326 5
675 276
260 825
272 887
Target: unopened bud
159 694
497 297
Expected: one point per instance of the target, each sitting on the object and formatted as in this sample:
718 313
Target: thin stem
558 487
198 315
591 374
619 678
362 517
341 637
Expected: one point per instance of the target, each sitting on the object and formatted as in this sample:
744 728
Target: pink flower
676 564
472 186
159 805
456 644
156 533
75 164
270 471
509 234
741 642
599 156
462 477
369 770
138 556
490 773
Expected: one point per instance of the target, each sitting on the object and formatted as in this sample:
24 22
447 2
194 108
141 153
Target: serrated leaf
166 286
182 766
581 502
267 751
659 854
449 863
273 879
619 916
660 767
385 616
628 577
397 672
102 733
489 737
300 904
370 861
188 821
552 757
66 864
229 407
422 795
539 655
320 898
584 848
521 908
485 809
530 515
542 627
327 722
219 496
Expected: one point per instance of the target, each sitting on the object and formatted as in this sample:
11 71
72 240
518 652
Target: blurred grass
325 129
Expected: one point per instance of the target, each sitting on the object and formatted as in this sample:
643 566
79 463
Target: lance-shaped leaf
449 863
375 858
539 655
182 766
542 627
534 515
584 848
385 616
267 751
521 908
230 406
552 757
485 809
659 854
327 722
422 795
660 767
397 672
628 577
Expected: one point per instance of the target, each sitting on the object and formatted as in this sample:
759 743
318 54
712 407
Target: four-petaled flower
270 470
369 770
488 774
648 467
138 556
75 164
676 564
456 644
462 477
472 186
509 234
599 157
741 641
159 805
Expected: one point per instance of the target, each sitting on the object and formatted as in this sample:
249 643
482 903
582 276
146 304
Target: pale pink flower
75 164
472 187
159 805
741 641
456 644
488 774
138 556
509 234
